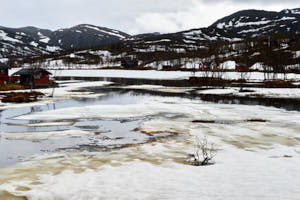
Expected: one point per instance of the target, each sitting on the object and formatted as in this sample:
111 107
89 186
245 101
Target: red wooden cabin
33 76
241 67
4 77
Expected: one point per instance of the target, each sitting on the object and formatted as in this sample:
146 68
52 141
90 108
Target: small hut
4 77
33 76
241 67
207 66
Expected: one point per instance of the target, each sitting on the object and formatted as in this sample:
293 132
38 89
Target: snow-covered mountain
292 11
27 41
86 36
238 26
252 23
235 27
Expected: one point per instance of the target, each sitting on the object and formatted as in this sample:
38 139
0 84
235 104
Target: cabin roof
30 71
4 66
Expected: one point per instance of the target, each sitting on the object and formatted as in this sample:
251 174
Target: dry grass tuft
11 86
21 97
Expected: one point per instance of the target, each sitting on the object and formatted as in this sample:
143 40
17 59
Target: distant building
207 66
33 76
167 67
129 62
4 77
294 68
241 67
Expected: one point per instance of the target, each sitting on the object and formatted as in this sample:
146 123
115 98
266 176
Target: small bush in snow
203 153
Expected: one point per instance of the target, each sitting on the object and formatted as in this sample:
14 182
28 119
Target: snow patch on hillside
34 44
53 48
43 38
157 41
4 36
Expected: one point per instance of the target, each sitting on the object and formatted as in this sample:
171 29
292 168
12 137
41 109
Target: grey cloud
127 15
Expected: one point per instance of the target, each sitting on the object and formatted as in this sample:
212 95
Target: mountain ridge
30 41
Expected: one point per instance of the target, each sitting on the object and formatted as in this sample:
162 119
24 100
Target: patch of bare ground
278 84
256 120
227 121
208 81
20 97
11 86
151 133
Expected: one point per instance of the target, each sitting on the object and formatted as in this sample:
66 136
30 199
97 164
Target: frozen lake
25 138
127 144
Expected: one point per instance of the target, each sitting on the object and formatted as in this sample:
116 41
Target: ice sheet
36 136
258 155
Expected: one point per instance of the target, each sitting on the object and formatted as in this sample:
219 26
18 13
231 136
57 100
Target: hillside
29 41
236 28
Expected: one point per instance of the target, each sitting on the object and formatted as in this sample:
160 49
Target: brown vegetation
20 97
256 120
208 81
11 86
204 121
278 84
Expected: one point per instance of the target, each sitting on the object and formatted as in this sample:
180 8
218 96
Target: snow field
164 75
255 160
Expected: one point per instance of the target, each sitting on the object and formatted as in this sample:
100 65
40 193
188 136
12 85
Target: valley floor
96 140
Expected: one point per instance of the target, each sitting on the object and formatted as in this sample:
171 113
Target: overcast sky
131 16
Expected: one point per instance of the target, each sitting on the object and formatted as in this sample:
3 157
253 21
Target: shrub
203 153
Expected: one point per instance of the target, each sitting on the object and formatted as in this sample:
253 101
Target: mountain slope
28 41
238 26
252 23
248 24
86 36
24 41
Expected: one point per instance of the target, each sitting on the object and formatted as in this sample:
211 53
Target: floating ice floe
161 88
265 92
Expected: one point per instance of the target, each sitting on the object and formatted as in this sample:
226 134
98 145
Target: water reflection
105 133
